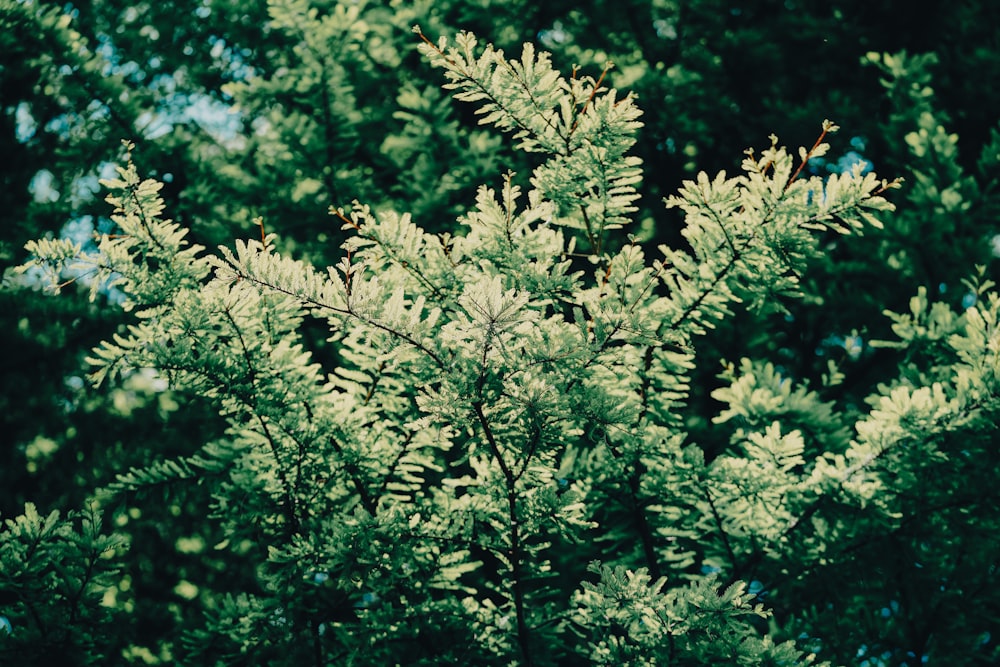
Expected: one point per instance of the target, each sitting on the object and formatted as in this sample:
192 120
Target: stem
392 468
469 81
645 530
291 509
798 171
517 585
369 503
722 531
595 242
132 193
75 599
635 479
593 93
514 553
694 305
316 303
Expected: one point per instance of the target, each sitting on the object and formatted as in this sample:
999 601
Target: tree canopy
493 333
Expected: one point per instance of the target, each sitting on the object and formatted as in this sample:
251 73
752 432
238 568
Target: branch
315 303
467 78
291 509
514 554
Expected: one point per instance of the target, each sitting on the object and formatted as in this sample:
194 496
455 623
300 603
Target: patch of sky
853 345
80 230
153 125
218 47
882 660
665 28
98 110
106 49
847 161
214 117
554 36
131 70
59 125
822 166
164 85
318 577
367 600
83 190
42 187
25 125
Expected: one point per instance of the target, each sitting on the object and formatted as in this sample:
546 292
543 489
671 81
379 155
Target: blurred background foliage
281 109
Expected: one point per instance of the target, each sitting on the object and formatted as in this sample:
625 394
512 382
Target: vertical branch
827 128
722 531
634 504
291 507
369 503
75 600
645 530
593 93
514 553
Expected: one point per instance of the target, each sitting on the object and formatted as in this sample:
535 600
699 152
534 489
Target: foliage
499 406
54 574
491 399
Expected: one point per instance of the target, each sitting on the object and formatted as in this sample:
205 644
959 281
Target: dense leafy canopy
405 360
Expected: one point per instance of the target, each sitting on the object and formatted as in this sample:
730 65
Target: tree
946 207
509 400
